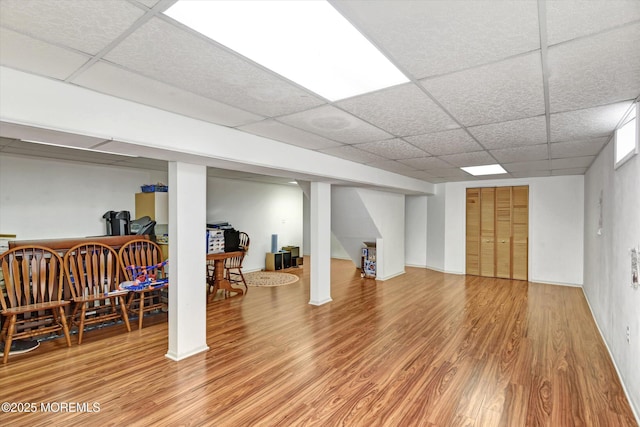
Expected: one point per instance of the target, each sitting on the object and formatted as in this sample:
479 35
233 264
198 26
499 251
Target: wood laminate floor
422 349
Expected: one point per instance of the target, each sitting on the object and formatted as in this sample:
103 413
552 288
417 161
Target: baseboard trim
615 365
176 358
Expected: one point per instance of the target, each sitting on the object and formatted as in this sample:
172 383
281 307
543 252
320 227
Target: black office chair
143 226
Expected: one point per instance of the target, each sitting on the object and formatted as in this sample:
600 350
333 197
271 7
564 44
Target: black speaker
286 259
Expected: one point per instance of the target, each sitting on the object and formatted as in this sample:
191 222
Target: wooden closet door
487 232
503 232
473 231
520 233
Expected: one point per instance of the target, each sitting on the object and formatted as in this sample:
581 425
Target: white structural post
187 260
320 244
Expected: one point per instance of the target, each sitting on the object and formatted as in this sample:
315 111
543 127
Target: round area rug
269 278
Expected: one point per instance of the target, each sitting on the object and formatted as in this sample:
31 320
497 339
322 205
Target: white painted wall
259 210
351 224
387 212
607 270
415 237
51 199
360 215
436 221
556 219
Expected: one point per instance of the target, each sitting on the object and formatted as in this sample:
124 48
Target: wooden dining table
219 281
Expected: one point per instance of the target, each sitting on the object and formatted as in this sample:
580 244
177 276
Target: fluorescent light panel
308 42
484 170
77 148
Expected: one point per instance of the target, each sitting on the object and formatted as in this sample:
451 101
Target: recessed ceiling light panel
484 170
308 42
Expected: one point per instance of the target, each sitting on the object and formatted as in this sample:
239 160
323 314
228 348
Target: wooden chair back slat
31 275
9 284
236 262
33 283
92 268
54 272
140 253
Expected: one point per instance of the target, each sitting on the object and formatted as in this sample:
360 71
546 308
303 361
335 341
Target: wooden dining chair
32 303
93 273
233 265
212 285
137 258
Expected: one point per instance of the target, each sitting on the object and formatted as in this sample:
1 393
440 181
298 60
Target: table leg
221 281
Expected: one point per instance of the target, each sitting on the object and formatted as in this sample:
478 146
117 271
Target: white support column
320 243
187 259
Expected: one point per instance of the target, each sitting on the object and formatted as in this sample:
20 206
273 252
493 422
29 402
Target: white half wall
260 210
351 224
387 212
556 221
612 202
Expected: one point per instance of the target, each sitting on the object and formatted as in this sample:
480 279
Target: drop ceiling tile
87 26
112 80
507 90
536 165
476 158
273 129
34 56
335 124
426 176
424 163
392 166
568 19
437 180
493 176
435 37
401 110
572 171
524 153
529 131
530 174
595 70
449 173
572 162
589 147
186 60
349 152
447 142
149 3
393 149
588 123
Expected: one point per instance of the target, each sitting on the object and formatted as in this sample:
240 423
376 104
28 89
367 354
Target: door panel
520 256
503 232
487 232
473 231
497 232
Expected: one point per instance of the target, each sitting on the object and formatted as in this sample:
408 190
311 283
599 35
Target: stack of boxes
215 241
369 260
